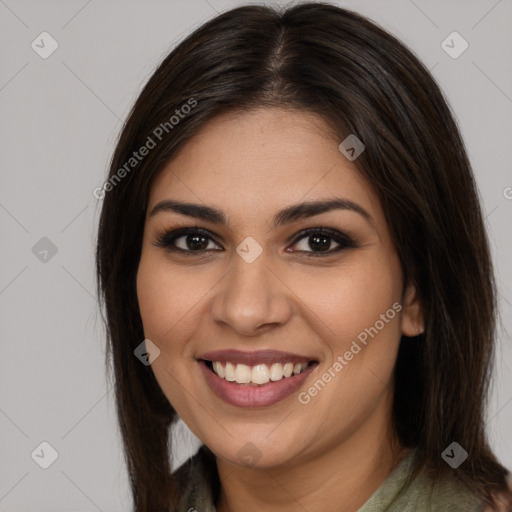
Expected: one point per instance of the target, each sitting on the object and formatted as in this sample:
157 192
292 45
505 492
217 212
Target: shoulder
193 472
189 469
502 500
196 481
425 489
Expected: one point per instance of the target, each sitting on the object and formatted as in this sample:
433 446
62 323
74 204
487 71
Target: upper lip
255 357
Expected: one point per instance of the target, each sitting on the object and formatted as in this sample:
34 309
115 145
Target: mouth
257 375
255 379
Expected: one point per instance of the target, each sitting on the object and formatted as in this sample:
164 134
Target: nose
252 299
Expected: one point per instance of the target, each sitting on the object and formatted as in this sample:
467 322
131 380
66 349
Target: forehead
254 163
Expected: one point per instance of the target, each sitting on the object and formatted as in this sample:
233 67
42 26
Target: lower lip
248 395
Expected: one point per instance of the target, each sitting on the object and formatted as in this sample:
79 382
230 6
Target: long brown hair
324 59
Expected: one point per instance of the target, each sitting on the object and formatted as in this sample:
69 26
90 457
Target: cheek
358 314
352 300
165 296
153 300
164 299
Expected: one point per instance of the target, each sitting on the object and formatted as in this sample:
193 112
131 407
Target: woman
293 260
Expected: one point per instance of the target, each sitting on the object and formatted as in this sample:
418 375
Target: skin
337 449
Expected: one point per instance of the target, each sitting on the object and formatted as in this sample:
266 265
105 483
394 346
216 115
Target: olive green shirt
198 480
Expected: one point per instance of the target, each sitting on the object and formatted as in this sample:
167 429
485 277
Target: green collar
198 480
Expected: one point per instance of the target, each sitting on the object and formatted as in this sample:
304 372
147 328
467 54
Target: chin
255 454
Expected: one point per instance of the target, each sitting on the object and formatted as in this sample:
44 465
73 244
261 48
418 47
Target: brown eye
319 240
186 240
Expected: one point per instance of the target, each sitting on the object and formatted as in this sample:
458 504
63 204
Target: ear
413 319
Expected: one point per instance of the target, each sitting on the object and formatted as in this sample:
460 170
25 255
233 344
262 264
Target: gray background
60 117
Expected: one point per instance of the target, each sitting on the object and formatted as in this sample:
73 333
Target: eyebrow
285 216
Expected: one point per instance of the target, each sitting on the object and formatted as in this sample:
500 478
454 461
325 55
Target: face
258 285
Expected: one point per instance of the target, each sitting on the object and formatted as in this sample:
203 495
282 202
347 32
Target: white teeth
276 372
229 372
288 369
298 368
243 374
258 374
219 369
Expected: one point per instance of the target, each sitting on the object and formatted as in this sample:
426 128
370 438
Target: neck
342 477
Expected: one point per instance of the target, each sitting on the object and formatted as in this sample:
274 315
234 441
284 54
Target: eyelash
167 238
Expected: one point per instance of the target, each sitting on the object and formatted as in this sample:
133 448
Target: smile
258 374
255 379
